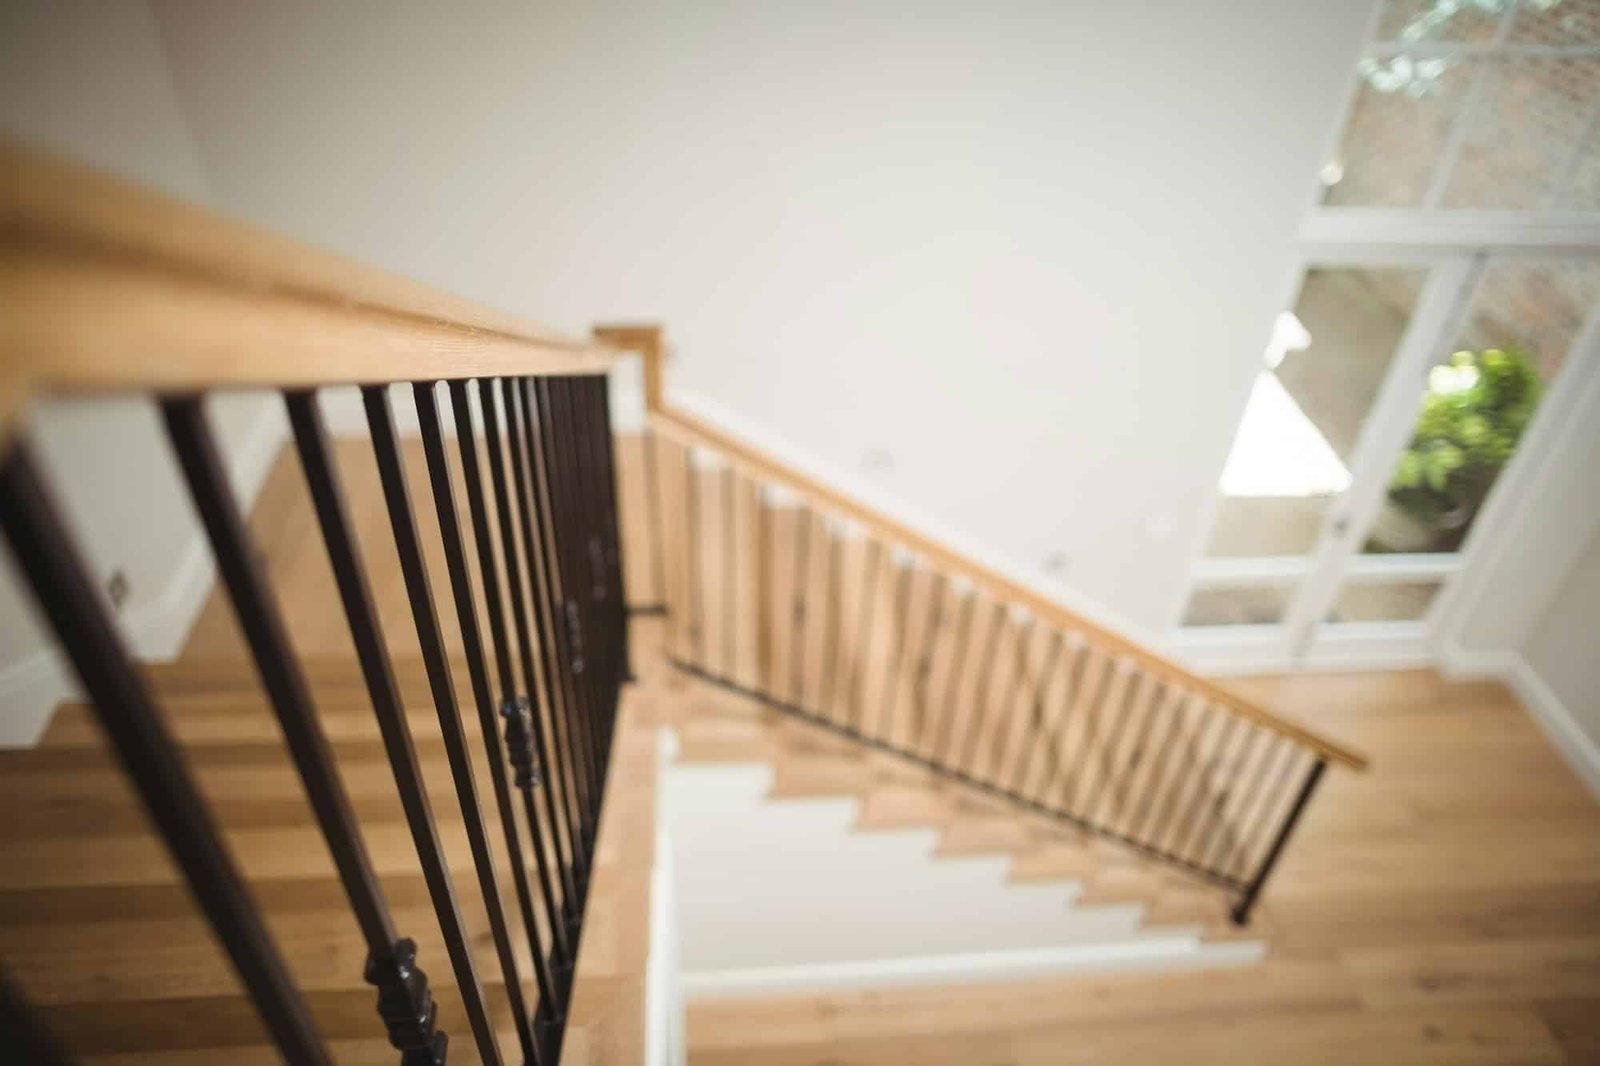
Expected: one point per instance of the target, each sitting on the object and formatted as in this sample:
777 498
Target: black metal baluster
962 648
1174 701
403 995
49 561
921 677
974 733
589 476
1152 705
765 632
1217 834
1089 732
1051 784
1035 702
569 705
1241 912
436 663
584 471
506 514
472 645
1014 681
799 589
653 502
1210 725
24 1037
338 535
546 852
1276 771
1113 779
830 664
863 641
1225 836
606 487
567 515
691 484
730 572
1203 804
889 694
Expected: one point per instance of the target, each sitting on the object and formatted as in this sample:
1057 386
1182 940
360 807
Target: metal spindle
1071 690
1202 804
1226 836
765 631
350 575
932 623
505 513
652 473
607 485
1241 912
863 641
1217 833
962 649
985 670
827 698
546 852
1272 781
566 705
1113 779
472 645
435 660
730 573
402 989
888 695
557 466
696 620
1035 703
24 1034
799 588
1186 777
50 562
1088 731
1014 681
1174 703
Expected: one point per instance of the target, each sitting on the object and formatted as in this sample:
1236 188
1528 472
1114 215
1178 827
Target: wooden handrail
646 340
108 286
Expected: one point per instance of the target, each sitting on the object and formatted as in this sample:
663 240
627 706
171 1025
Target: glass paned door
1481 394
1357 526
1301 434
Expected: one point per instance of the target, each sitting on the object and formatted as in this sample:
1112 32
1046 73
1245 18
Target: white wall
1561 654
89 80
1031 250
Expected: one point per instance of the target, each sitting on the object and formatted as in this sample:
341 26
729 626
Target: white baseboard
1553 717
1557 722
157 628
1166 952
30 691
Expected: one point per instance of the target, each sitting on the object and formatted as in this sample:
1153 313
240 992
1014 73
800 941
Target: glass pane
1399 122
1236 606
1525 133
1400 602
1412 20
1564 23
1325 366
1525 316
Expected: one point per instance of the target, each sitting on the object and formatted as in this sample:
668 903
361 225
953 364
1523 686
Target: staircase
806 863
361 785
783 589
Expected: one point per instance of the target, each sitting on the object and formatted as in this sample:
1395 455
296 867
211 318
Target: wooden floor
1444 908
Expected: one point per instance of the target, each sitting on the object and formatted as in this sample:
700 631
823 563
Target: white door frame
1455 246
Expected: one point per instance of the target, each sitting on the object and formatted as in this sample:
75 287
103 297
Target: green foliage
1473 414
